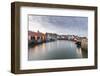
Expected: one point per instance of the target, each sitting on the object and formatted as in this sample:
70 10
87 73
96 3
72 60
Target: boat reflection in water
60 49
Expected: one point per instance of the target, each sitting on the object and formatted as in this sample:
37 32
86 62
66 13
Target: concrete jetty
84 44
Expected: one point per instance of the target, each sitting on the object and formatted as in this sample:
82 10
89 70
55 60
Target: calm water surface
60 49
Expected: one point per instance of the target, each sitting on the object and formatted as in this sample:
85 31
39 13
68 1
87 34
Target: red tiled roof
35 33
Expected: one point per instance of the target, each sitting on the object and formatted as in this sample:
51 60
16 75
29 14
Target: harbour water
60 49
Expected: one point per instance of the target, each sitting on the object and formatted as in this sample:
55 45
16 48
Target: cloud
59 24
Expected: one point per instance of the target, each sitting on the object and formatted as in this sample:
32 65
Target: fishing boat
78 43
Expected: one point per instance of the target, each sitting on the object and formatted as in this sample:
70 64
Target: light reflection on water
60 49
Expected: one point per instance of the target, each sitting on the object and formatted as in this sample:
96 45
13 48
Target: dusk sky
59 24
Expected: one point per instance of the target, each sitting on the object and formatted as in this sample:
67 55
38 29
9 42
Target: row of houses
68 37
35 37
38 37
